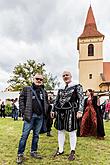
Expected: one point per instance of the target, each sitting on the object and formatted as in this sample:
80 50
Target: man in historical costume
67 108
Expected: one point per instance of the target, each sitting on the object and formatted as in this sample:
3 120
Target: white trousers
61 140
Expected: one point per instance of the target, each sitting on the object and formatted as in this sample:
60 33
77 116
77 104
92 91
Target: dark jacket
68 102
25 103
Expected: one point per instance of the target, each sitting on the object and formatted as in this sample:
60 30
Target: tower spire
90 18
90 28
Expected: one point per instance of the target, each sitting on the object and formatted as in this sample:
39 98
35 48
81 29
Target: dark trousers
49 124
16 114
3 114
78 126
49 119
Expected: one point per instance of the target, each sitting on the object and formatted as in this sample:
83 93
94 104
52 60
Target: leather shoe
72 155
35 155
19 159
57 153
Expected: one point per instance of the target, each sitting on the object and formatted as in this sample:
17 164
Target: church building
94 73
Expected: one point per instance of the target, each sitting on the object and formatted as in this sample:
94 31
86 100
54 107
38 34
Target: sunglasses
39 79
65 75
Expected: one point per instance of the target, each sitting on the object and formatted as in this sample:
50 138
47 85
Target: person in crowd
102 108
2 109
100 123
49 119
12 108
92 120
67 108
107 109
78 126
15 109
33 103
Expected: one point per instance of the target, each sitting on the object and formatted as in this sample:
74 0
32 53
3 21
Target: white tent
8 95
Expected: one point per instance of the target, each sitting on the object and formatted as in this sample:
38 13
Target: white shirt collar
71 84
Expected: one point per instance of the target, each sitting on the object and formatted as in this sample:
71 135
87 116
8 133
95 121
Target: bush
8 110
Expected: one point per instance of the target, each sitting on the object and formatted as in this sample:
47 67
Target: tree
23 75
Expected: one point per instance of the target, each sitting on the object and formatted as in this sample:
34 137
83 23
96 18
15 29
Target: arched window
90 50
90 76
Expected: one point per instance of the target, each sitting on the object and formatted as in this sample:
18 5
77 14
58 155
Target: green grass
89 151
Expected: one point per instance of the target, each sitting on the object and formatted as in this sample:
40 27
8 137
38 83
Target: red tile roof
106 70
90 28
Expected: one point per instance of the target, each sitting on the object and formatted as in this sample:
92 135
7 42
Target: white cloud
46 31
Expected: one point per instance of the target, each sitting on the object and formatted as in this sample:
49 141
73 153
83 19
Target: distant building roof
9 88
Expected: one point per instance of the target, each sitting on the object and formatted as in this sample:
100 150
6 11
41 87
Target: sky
46 31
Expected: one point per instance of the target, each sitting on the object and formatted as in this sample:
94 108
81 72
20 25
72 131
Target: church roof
90 28
106 71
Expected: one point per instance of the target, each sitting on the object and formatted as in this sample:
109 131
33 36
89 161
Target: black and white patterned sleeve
56 101
80 98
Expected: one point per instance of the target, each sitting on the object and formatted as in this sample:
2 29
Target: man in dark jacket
33 102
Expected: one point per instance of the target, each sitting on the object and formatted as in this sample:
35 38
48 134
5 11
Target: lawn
89 151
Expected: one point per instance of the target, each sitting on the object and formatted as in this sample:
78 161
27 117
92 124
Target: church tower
90 47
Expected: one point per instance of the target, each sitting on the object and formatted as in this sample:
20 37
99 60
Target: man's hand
79 114
52 114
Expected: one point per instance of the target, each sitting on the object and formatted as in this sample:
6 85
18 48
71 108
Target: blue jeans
16 114
35 125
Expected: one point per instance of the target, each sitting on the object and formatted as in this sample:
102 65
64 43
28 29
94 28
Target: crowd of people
14 105
71 111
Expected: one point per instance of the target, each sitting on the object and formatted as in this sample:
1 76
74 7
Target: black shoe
35 155
57 153
19 159
100 137
72 155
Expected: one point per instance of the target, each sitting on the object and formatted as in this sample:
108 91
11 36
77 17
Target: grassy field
89 151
